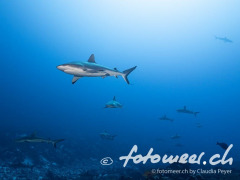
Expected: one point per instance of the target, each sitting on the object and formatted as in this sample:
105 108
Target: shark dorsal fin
91 59
184 107
114 98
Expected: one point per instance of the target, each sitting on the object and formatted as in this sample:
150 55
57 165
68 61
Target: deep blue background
179 63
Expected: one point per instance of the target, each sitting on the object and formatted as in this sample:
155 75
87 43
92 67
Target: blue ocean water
179 63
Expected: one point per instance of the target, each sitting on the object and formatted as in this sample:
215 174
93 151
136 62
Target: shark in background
92 69
224 39
179 145
186 111
107 136
165 118
34 139
113 104
175 137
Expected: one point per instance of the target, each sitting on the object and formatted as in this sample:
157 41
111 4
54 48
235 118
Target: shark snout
60 67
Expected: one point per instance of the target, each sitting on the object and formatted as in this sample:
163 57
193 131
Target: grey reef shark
34 139
175 137
224 39
165 118
107 136
186 111
113 104
92 69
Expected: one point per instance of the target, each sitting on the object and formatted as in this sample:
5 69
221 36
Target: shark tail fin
126 73
195 114
57 141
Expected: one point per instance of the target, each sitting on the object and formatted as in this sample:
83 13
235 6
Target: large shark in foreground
224 39
185 110
34 139
92 69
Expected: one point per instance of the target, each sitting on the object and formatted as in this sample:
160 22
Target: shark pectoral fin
56 141
75 78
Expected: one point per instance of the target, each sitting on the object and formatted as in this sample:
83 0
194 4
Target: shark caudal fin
126 73
195 113
57 141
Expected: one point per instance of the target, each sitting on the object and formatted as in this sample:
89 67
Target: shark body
107 136
175 136
34 139
224 39
92 69
165 118
113 104
186 111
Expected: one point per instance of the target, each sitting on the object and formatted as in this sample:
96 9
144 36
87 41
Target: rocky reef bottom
92 170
